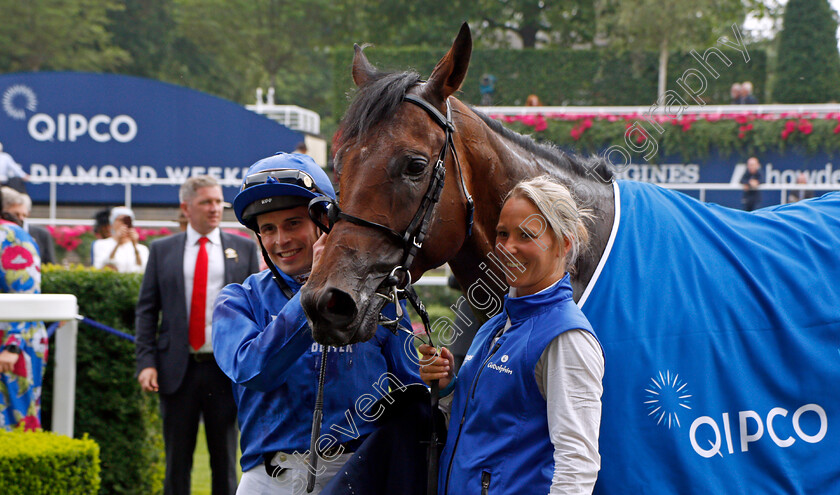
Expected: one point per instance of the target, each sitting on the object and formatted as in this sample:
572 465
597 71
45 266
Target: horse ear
449 73
363 71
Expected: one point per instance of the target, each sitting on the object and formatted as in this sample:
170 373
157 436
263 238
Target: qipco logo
809 424
100 128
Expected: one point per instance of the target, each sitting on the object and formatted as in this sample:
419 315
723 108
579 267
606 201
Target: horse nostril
337 307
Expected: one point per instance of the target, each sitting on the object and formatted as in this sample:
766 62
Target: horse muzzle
336 317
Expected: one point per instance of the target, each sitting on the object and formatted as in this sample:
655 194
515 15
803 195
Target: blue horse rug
721 330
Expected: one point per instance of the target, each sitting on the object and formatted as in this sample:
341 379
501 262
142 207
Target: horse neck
493 165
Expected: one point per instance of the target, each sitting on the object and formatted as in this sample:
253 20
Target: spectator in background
122 251
533 101
101 228
487 88
23 344
11 173
800 194
102 224
747 97
20 205
751 180
735 94
174 336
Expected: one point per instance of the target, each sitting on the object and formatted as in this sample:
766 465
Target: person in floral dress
23 345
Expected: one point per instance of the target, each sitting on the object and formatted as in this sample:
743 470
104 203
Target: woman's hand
436 364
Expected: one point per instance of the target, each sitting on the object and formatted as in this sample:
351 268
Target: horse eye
416 166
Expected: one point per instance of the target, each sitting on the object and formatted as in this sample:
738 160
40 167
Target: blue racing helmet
279 182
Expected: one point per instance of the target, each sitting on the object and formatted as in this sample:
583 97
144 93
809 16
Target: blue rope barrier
51 329
95 324
105 328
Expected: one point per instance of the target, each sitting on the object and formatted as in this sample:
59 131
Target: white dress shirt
215 278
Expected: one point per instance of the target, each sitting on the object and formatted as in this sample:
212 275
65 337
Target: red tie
199 297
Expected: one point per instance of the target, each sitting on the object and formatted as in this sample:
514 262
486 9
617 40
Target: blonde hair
559 209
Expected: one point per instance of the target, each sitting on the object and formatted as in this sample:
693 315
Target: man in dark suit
20 205
184 274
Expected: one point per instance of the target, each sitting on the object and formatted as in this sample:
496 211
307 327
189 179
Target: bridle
411 240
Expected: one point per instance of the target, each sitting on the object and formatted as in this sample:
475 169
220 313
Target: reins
411 240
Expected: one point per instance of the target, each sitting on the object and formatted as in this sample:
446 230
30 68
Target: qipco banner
97 131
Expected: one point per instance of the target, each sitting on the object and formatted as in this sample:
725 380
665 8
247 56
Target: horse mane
584 167
374 102
379 97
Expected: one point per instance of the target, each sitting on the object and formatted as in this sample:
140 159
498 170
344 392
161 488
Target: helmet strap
278 279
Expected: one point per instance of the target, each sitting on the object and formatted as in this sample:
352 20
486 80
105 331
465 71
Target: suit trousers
205 392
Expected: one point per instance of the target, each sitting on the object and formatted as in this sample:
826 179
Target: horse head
400 140
387 151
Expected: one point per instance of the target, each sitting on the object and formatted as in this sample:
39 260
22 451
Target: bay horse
720 328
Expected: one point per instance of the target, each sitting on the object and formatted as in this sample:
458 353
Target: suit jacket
166 346
45 242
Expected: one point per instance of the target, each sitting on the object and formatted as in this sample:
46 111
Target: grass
201 465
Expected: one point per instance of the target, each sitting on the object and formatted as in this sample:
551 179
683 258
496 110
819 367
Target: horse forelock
593 168
374 102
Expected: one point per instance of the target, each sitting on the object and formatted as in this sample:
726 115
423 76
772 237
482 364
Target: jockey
261 340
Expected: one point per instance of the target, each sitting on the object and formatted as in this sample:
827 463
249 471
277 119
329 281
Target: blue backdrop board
776 168
108 127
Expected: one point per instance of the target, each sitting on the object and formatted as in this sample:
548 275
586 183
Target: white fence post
52 307
64 378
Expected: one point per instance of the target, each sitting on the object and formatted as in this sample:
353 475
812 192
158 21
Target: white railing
783 189
817 110
52 307
127 183
291 116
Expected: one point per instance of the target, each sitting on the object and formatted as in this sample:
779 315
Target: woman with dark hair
23 345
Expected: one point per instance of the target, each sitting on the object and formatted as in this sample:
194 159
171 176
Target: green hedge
599 76
110 407
35 463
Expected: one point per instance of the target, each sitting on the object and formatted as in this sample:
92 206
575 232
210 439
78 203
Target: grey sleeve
569 374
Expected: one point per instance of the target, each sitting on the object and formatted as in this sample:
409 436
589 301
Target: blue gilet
498 432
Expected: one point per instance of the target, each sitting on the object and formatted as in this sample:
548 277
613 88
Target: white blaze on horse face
536 255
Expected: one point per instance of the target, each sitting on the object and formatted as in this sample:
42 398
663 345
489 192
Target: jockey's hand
436 364
148 379
317 249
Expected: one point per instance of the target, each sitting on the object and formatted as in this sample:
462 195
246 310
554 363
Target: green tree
396 23
808 69
663 27
40 35
144 29
561 22
251 43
